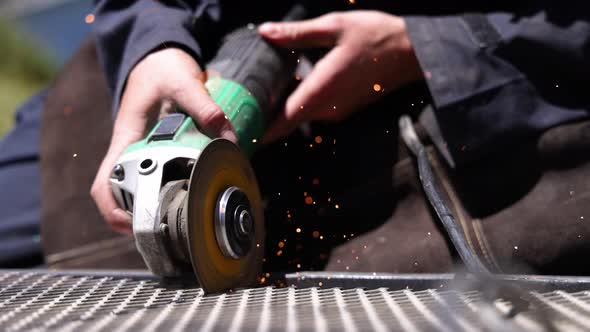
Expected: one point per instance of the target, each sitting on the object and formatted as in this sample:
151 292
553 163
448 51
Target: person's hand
169 74
371 54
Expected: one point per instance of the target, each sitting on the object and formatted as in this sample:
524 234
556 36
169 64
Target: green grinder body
247 78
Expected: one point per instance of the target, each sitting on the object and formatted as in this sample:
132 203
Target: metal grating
43 301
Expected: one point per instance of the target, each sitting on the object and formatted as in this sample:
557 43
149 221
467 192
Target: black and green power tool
195 201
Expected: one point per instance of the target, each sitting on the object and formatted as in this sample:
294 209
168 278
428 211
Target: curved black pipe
467 254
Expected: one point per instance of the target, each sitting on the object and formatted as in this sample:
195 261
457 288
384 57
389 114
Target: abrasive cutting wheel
225 219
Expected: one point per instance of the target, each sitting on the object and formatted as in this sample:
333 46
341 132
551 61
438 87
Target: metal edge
347 280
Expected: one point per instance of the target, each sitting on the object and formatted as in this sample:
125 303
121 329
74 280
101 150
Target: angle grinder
195 201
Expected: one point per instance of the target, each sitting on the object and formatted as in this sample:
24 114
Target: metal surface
70 302
220 166
422 281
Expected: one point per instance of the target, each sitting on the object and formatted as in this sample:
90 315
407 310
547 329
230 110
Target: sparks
89 19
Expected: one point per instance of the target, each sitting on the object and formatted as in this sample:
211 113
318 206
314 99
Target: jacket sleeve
500 77
126 31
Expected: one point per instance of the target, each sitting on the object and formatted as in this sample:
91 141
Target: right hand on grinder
167 74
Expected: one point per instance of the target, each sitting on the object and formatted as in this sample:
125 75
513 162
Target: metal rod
472 261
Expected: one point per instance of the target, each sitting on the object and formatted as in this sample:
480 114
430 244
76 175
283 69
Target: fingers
280 127
308 99
322 31
129 128
314 97
194 99
118 219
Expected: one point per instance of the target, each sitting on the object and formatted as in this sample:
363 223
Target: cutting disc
220 166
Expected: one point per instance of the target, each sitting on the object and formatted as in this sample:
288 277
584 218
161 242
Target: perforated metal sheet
42 301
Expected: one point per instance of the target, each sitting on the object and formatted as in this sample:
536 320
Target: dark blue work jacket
497 71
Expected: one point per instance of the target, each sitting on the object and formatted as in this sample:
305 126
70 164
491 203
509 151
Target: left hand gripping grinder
195 201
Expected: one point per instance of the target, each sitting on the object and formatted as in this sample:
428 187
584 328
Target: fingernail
121 216
228 134
268 29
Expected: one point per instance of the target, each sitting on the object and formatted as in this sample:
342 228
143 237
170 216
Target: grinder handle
264 70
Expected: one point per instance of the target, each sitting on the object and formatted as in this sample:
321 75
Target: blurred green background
36 38
25 67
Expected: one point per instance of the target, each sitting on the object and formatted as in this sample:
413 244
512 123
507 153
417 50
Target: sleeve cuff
146 41
462 76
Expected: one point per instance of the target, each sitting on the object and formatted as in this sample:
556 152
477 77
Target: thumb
322 31
196 101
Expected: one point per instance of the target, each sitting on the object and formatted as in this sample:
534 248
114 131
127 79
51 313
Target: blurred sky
57 25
